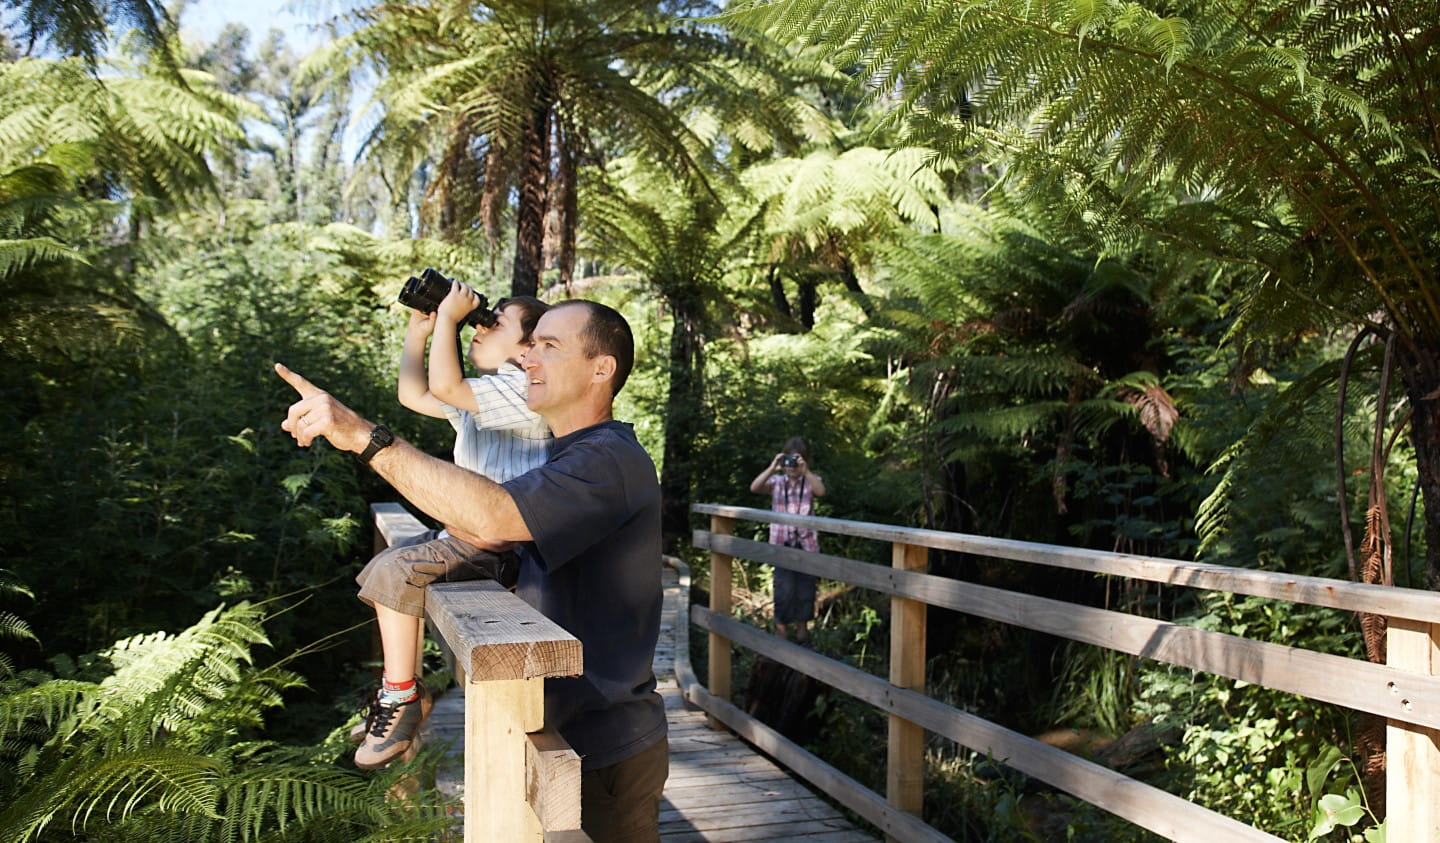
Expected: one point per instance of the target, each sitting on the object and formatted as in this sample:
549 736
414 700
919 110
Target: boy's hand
423 323
318 414
458 302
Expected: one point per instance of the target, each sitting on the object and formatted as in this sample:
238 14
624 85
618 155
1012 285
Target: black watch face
380 437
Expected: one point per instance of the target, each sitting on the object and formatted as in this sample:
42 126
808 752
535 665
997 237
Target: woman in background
793 488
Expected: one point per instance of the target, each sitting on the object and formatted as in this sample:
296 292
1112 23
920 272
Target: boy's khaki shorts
396 577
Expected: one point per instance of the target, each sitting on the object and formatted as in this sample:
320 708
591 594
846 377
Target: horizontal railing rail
1406 690
1313 591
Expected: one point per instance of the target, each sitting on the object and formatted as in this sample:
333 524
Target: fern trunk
530 214
683 407
1420 370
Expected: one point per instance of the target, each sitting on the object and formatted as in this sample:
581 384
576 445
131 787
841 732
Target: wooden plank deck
720 789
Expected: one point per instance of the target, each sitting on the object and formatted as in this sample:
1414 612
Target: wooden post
1412 753
720 603
498 714
505 649
905 760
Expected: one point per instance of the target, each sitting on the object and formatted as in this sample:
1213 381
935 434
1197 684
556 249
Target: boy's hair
531 309
607 332
797 445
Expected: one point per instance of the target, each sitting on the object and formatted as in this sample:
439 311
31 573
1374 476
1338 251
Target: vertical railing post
720 603
498 714
1412 753
905 761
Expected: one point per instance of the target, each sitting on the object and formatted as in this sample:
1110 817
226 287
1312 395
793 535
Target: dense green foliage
144 741
1082 273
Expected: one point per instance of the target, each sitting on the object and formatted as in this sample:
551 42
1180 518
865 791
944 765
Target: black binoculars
426 292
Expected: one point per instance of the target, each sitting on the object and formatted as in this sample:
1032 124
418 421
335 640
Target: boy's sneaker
392 730
367 718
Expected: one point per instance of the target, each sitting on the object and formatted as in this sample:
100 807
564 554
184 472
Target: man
588 524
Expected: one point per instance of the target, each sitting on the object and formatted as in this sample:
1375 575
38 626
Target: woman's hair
797 445
531 309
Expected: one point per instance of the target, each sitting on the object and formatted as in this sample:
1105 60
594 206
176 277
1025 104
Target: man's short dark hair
607 332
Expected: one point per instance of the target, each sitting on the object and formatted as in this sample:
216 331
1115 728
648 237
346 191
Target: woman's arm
817 486
413 390
759 484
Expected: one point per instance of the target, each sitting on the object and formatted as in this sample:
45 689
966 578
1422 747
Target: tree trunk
569 212
1420 370
809 298
682 413
777 292
530 215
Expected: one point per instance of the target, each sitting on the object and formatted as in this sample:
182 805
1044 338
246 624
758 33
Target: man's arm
471 505
440 489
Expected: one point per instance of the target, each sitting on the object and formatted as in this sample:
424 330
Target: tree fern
682 245
151 751
1027 343
825 212
13 628
74 146
1295 142
499 97
82 27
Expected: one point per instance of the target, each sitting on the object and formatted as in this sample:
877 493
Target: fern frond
56 704
88 790
1313 126
1286 431
1005 424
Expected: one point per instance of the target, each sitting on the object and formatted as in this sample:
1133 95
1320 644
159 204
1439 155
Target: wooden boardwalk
720 788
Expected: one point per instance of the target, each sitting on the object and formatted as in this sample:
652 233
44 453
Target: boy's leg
394 583
400 641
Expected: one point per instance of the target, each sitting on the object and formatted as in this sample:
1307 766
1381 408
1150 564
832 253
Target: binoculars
426 292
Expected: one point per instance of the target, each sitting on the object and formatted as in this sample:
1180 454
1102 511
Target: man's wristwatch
380 438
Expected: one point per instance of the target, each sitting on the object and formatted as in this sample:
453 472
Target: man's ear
604 368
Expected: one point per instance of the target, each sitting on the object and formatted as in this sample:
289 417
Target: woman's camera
426 292
790 461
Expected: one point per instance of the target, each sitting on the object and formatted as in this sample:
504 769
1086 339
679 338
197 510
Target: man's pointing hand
318 414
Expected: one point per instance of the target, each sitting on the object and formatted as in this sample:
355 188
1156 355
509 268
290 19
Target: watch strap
380 438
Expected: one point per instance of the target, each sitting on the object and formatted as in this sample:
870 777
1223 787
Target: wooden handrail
1392 601
722 713
1407 690
1379 689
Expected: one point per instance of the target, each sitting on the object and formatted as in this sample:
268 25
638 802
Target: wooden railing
521 783
1406 690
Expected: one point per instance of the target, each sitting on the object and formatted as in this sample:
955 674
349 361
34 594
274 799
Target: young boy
495 435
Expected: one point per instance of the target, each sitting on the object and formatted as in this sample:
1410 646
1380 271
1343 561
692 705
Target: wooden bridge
719 789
